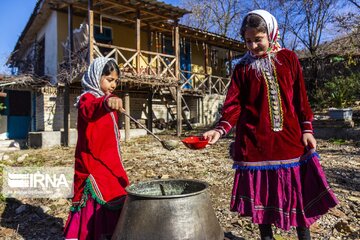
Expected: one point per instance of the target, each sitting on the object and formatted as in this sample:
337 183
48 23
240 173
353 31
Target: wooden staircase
171 104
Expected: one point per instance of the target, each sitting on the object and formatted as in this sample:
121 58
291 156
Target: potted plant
341 93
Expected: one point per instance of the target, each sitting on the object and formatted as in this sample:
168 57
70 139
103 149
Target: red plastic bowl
195 142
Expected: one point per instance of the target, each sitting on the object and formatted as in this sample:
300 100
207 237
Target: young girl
100 178
278 177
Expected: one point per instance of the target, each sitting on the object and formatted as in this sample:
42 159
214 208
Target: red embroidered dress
270 115
97 155
276 180
100 178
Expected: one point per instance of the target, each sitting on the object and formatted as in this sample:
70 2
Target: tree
221 17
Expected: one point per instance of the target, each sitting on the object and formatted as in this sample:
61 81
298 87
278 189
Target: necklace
274 98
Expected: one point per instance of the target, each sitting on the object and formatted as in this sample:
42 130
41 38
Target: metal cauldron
168 210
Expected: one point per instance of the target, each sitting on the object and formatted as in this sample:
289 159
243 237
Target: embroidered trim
307 131
92 190
274 98
275 164
117 136
226 122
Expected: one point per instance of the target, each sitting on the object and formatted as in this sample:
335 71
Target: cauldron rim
144 196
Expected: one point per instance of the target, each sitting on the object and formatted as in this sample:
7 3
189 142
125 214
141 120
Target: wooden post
67 87
207 59
230 59
177 50
138 41
127 120
150 111
178 111
149 45
202 111
91 36
178 88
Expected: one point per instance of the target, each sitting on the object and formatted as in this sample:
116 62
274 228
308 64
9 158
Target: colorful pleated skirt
284 193
92 219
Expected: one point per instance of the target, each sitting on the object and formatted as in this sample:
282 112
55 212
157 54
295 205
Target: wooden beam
178 111
67 87
150 111
177 49
138 40
206 58
230 60
127 120
91 31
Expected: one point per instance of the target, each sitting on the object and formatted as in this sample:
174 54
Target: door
18 104
185 57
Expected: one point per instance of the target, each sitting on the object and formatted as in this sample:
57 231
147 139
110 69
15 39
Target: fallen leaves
145 159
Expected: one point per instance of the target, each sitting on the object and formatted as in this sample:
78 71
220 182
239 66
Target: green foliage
341 91
337 141
2 106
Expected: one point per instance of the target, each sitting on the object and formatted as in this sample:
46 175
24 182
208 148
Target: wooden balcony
159 69
203 83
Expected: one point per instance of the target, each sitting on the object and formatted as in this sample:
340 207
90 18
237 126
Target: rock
5 157
45 209
338 213
354 199
343 227
22 157
165 176
21 209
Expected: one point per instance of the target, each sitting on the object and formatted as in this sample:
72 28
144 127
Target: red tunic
97 156
248 106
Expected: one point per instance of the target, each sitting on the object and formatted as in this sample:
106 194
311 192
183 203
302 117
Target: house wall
139 108
49 31
49 110
123 36
212 106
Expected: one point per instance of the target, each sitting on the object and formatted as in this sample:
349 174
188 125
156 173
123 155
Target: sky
14 14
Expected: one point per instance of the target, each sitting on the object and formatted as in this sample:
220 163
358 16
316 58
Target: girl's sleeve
301 102
231 108
92 108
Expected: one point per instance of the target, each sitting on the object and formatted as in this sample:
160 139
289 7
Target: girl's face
257 42
109 83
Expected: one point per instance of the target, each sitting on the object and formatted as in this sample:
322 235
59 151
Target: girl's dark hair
253 21
109 67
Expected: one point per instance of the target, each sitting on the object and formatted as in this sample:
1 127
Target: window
40 57
104 37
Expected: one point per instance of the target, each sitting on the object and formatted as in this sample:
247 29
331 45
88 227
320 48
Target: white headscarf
272 27
259 63
91 79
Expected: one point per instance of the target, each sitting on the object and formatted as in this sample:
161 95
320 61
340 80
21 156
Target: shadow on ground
21 218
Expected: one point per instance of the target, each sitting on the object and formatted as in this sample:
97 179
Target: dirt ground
145 159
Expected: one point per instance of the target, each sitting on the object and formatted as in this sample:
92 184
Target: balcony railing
154 64
159 65
205 83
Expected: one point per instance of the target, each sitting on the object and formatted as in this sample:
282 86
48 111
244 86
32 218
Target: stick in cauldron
168 144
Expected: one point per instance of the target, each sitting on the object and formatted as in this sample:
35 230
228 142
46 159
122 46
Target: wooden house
171 74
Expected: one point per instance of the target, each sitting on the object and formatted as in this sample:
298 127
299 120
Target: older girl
278 177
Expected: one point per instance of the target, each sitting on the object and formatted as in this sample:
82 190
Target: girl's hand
309 140
212 135
115 103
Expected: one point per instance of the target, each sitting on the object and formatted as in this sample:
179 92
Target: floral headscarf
91 79
272 28
264 63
